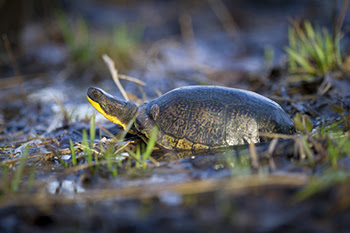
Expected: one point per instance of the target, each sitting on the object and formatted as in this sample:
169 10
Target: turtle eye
96 94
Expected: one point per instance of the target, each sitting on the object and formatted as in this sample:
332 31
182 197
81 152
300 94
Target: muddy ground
52 53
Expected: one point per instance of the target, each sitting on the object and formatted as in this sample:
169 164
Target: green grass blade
322 131
310 33
4 171
330 177
292 38
138 155
302 61
86 147
92 130
336 42
109 155
3 148
127 129
19 171
329 49
313 51
320 58
150 145
64 164
308 151
292 46
320 48
72 151
66 29
308 39
31 178
269 56
304 43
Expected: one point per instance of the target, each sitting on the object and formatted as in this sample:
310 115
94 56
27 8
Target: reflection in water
64 186
212 163
166 156
170 198
235 159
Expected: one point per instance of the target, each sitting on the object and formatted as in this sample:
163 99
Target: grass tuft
319 183
77 38
303 123
312 50
87 46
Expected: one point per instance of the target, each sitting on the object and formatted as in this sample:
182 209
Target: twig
253 156
270 150
131 79
63 109
114 72
154 161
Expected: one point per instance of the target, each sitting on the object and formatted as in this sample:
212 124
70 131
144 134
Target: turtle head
118 111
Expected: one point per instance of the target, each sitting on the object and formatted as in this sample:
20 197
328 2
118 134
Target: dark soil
43 83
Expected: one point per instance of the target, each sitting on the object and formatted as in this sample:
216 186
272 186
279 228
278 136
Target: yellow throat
97 106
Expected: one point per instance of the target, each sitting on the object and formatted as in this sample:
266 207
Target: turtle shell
202 117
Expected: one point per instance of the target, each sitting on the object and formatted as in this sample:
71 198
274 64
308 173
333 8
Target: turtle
197 117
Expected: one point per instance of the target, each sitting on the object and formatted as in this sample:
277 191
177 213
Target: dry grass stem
10 82
122 147
144 95
155 162
103 129
114 72
131 79
325 86
46 156
300 147
270 150
276 135
254 156
158 92
63 109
